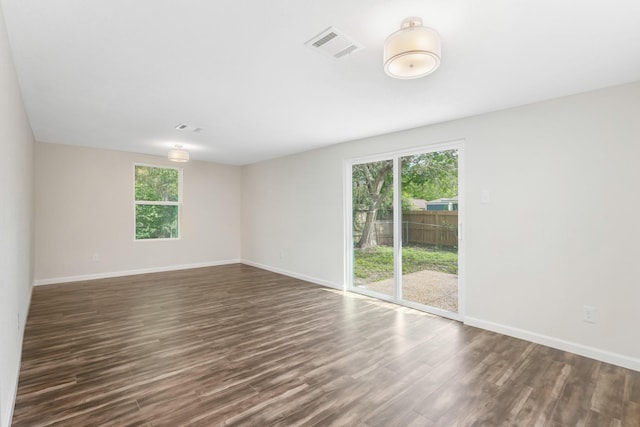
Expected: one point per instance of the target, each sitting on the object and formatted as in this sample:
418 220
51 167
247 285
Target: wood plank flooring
235 345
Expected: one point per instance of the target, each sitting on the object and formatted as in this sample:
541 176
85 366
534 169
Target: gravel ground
427 287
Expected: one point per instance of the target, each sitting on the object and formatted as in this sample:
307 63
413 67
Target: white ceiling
120 74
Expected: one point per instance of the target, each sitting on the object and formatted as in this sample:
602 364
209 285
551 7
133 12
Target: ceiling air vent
333 43
183 126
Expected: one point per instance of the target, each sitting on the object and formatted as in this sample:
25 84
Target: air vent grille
346 52
183 126
325 39
334 44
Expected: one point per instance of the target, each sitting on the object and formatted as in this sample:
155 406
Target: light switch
484 196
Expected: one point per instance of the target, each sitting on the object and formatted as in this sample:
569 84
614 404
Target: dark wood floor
235 345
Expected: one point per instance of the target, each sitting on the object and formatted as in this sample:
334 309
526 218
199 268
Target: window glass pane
156 221
429 185
373 226
156 184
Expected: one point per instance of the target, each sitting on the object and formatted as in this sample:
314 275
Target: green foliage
430 176
376 263
426 176
154 184
156 221
371 182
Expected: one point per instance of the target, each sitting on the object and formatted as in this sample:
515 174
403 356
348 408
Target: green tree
372 188
154 184
430 176
424 176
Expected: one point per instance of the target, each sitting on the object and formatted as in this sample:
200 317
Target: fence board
439 228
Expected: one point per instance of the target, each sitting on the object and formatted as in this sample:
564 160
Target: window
157 202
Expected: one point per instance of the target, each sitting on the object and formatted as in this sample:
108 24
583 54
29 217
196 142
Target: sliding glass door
404 216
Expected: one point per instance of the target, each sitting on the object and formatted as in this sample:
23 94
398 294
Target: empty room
339 213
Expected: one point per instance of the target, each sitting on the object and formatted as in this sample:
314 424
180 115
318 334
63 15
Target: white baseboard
294 275
14 387
54 280
572 347
12 397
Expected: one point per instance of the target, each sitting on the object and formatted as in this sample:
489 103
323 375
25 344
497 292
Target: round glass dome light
413 51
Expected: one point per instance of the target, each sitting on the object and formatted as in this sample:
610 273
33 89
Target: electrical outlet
589 314
96 257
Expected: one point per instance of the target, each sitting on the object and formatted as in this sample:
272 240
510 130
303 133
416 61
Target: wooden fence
439 228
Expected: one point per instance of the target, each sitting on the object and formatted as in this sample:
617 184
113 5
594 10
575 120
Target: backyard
376 263
429 274
410 201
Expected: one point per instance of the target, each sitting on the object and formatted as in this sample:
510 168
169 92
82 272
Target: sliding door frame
395 156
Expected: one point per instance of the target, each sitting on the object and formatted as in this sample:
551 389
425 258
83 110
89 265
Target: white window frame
159 203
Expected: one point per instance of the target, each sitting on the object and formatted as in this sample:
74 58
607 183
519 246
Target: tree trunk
378 195
366 239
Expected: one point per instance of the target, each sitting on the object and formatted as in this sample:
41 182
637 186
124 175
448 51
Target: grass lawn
373 264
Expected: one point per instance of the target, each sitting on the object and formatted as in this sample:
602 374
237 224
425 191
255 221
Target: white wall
560 231
16 230
84 206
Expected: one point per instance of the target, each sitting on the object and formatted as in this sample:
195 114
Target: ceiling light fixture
413 51
178 154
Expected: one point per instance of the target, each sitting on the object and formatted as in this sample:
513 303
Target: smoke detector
334 44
